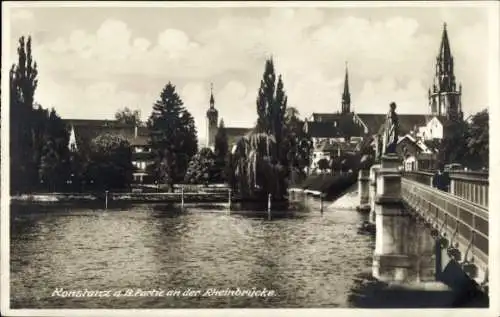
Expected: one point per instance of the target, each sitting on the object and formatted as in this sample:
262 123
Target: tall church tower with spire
346 95
212 119
445 100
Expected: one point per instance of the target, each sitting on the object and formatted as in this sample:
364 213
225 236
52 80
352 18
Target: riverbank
330 186
123 197
220 200
327 186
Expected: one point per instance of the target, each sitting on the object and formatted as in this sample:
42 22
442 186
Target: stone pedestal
364 191
402 252
391 260
390 161
373 174
389 180
404 249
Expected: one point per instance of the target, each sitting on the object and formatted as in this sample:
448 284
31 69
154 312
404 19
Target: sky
94 61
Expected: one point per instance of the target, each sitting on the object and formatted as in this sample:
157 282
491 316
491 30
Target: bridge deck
463 223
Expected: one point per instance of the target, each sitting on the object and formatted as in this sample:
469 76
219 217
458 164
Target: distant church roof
318 129
87 130
407 122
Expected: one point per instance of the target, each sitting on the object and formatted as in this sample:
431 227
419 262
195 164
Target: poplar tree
23 83
271 106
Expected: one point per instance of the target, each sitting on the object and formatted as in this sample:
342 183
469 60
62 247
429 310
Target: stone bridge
448 242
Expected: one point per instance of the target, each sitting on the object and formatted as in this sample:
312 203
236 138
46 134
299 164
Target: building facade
82 132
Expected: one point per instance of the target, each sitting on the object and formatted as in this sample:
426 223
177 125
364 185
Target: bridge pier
364 190
403 251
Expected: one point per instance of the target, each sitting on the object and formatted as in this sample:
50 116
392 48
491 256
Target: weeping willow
257 169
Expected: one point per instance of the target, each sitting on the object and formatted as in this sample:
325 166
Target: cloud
389 58
22 15
96 100
411 98
236 104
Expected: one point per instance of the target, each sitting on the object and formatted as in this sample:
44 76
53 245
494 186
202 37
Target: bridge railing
469 185
472 186
464 222
420 177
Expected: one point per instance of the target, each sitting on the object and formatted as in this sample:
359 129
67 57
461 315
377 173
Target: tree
478 140
127 116
23 83
453 148
291 115
264 160
110 162
79 170
201 168
38 138
54 165
221 149
297 145
189 145
173 137
271 105
49 164
256 174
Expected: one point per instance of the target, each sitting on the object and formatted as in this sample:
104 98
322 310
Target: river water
310 259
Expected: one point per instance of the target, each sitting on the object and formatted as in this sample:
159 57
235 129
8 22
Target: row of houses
82 132
337 134
329 141
333 134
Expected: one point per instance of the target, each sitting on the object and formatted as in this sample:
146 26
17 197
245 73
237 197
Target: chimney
135 130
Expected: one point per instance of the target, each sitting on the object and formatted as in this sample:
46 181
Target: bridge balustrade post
363 190
373 171
452 187
372 188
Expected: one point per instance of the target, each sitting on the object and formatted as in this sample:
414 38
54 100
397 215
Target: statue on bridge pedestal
390 137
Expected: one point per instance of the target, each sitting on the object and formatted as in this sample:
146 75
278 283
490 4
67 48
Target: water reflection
306 257
310 259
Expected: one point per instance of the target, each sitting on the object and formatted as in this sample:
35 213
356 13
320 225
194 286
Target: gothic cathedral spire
346 96
444 97
212 101
212 118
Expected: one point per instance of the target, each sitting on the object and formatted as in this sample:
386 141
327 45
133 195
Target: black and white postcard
243 158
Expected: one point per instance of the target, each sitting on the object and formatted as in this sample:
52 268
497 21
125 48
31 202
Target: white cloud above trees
391 57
